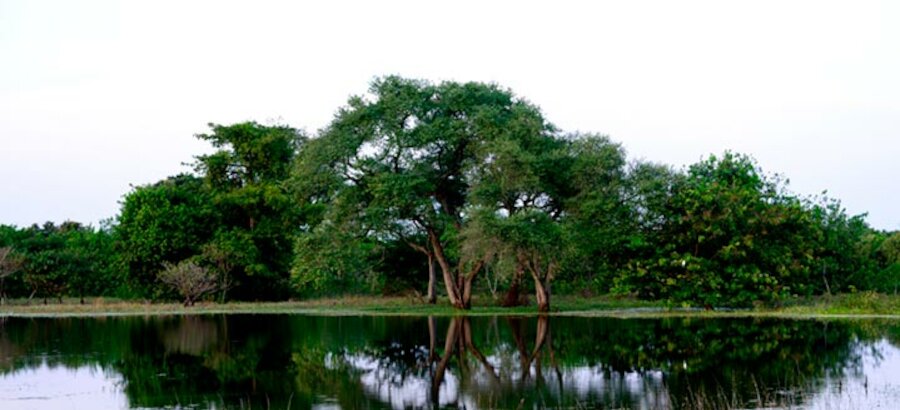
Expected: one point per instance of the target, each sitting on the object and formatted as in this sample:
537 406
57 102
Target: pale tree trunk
542 278
432 276
467 290
452 289
458 284
542 293
432 279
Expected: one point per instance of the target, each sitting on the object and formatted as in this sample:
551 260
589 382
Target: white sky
97 95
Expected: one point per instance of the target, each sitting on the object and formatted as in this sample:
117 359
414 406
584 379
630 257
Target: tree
601 221
888 277
518 194
845 254
246 180
190 280
10 263
730 236
528 242
165 222
402 162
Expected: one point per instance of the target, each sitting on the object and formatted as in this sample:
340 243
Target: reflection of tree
192 336
282 361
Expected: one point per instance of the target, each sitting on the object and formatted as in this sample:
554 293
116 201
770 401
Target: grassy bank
857 304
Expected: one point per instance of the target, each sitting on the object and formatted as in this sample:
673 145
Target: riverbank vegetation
864 304
455 192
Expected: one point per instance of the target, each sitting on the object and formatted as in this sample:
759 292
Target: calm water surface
303 362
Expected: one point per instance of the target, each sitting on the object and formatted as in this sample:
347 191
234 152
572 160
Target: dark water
286 361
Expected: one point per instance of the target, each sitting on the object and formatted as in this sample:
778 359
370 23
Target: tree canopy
415 183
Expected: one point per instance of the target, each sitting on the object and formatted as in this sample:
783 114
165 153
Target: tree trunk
513 295
449 282
467 290
432 279
542 293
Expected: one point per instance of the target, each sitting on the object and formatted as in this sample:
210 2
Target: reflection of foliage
285 361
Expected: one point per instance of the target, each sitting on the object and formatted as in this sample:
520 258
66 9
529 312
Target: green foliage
236 216
730 237
258 219
332 259
601 225
469 177
56 260
403 164
846 253
887 279
165 222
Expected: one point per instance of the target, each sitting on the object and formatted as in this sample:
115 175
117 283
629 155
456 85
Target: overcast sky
96 96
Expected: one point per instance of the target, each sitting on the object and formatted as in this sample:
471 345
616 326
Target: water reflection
284 361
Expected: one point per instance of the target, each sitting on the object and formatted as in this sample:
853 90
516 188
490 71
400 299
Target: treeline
451 190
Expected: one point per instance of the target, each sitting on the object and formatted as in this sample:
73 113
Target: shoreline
849 306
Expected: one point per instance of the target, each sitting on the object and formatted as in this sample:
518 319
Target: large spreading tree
400 163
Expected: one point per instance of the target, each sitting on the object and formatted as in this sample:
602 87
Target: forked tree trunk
458 283
452 289
542 277
542 293
467 290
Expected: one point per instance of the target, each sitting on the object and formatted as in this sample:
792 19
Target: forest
448 191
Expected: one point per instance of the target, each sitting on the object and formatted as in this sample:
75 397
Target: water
303 362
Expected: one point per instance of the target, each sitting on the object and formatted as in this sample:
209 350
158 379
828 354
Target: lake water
303 362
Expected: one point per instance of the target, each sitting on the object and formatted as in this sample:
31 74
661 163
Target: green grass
856 304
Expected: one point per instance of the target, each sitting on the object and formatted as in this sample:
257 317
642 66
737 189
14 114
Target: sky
99 96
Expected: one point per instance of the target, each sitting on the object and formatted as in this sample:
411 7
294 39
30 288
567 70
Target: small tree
190 280
10 262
